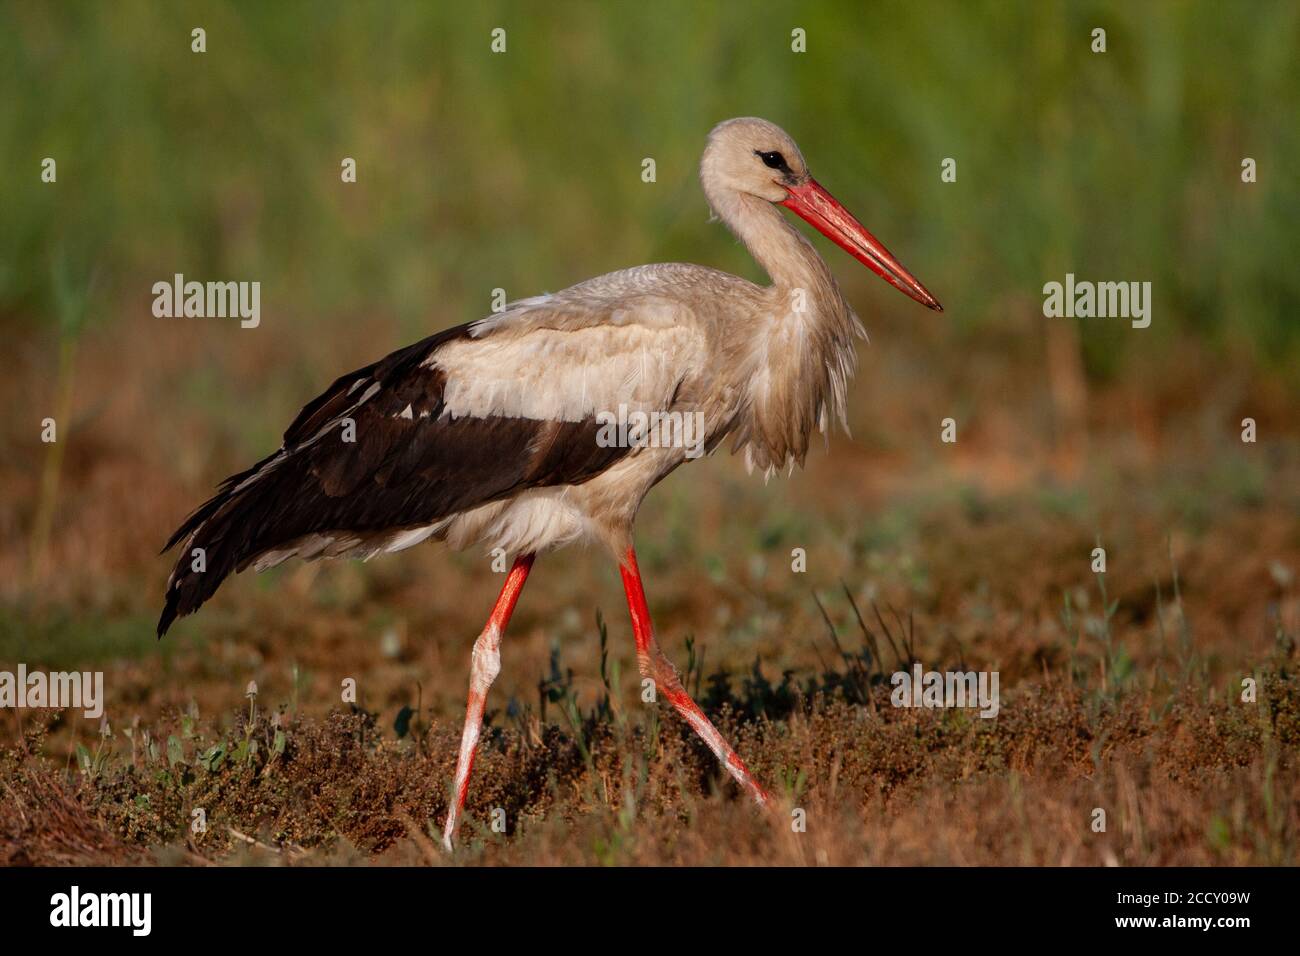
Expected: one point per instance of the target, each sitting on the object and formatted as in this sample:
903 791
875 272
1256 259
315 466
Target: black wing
408 467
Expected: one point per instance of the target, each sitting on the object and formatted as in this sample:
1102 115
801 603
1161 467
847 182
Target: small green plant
72 297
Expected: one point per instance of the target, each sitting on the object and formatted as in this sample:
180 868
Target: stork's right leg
654 665
485 664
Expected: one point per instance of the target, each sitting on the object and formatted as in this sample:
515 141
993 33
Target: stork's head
752 157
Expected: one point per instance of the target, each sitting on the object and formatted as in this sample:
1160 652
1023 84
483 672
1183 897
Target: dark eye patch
773 160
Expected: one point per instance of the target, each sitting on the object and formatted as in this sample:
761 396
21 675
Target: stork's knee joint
658 668
485 659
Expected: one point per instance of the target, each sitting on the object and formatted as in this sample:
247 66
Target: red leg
485 664
657 667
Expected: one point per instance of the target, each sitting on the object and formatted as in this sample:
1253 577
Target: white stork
488 433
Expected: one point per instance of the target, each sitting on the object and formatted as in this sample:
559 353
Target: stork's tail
216 544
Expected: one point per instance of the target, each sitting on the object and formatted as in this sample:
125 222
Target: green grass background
522 170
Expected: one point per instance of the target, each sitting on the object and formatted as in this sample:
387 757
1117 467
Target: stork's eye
773 160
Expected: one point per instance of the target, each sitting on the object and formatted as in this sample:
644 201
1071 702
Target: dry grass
1199 783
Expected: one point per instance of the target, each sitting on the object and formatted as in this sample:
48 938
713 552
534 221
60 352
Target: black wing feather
398 473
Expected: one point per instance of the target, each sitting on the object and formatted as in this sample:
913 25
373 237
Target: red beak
824 213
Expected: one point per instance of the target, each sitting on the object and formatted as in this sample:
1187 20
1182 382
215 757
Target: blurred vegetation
522 170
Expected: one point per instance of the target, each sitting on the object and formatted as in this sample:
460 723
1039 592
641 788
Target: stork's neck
800 356
789 259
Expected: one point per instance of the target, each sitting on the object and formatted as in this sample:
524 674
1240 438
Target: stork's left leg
485 664
654 665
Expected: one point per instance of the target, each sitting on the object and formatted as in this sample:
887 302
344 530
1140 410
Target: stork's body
491 433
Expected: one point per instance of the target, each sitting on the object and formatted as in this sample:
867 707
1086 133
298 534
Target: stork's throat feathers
801 353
